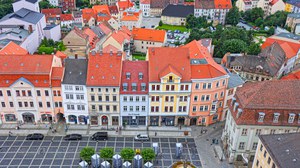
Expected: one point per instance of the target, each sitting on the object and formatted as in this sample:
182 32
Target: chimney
30 30
76 56
93 52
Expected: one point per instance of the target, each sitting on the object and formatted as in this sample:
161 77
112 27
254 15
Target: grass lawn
138 56
171 27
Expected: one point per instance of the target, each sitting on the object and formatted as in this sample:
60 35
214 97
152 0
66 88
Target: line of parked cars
96 137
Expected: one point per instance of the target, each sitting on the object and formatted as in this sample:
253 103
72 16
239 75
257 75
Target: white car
142 137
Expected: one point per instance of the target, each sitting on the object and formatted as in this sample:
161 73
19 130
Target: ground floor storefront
167 120
27 117
105 120
75 118
203 120
134 120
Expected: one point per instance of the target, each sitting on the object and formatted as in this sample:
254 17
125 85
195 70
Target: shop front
94 120
154 121
134 120
167 120
28 117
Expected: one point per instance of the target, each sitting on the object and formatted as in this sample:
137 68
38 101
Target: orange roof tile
169 69
145 1
109 48
101 9
209 68
104 28
13 49
292 75
290 48
87 14
92 36
176 60
66 17
223 4
51 11
129 18
120 36
35 79
124 4
57 76
149 34
61 54
126 30
104 70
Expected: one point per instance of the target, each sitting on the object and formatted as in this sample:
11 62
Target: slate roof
268 62
75 71
31 1
284 149
178 10
25 15
294 3
234 80
294 15
159 3
49 27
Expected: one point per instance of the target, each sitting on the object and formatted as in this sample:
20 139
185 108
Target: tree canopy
194 22
6 7
233 16
44 4
107 153
233 46
48 45
127 154
253 14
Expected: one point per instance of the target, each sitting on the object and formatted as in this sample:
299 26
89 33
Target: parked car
73 137
35 136
142 137
100 136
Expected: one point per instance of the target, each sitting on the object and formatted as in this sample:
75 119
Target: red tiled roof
80 33
57 76
120 36
87 14
130 17
134 68
109 48
124 4
290 48
38 80
51 11
223 4
92 36
145 1
66 17
210 69
126 30
104 70
101 9
273 2
149 34
13 49
163 57
113 9
61 55
104 28
292 75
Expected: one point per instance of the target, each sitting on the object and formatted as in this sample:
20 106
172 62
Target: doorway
28 117
193 121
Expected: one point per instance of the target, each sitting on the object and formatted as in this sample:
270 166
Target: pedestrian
180 127
155 134
9 133
55 130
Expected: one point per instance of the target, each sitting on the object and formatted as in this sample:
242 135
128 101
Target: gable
22 82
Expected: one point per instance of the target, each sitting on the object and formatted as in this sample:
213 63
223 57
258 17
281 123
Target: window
205 108
143 86
11 104
115 108
170 79
242 145
195 98
291 118
107 108
167 87
60 104
216 96
197 86
46 93
171 98
106 89
171 108
137 98
1 94
17 92
125 86
158 87
195 108
8 93
78 106
143 98
56 104
93 107
20 104
254 146
204 86
223 83
261 117
106 98
124 108
244 132
29 93
48 104
202 97
23 93
137 108
207 97
213 107
133 86
100 108
257 163
276 117
172 87
3 104
31 104
92 98
265 153
114 89
209 85
269 160
77 88
222 94
114 98
130 108
40 104
131 98
272 131
217 85
99 89
143 108
100 98
258 131
92 89
125 98
201 108
261 147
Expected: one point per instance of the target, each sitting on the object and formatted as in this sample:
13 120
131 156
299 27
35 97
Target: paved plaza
53 151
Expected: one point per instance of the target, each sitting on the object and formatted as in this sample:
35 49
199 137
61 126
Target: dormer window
127 75
236 105
125 86
276 117
261 116
291 117
143 86
133 85
233 101
170 79
141 76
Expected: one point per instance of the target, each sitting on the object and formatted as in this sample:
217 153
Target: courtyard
54 152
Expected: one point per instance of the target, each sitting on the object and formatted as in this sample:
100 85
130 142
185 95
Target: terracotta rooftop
87 14
104 28
13 49
124 4
51 11
292 75
149 34
104 69
66 17
163 57
57 76
101 9
138 71
145 1
113 9
92 36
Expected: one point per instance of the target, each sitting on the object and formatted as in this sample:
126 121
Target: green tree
191 21
6 7
160 23
233 46
233 16
253 49
107 153
44 4
127 154
45 50
259 21
234 33
148 154
271 31
86 153
277 19
252 14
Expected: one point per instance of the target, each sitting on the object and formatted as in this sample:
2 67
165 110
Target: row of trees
107 153
48 45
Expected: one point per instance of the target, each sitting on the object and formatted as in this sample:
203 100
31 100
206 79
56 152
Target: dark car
73 137
100 136
35 136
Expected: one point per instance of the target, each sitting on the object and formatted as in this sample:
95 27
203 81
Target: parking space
176 37
54 152
150 22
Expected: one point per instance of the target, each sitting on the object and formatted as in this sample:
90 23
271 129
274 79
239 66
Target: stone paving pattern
54 152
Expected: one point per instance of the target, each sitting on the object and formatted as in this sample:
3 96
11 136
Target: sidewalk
87 130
